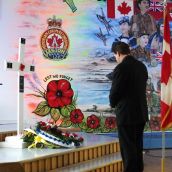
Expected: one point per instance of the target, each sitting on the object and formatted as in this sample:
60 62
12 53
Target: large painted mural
70 46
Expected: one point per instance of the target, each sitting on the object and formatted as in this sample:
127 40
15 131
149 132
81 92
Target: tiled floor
152 161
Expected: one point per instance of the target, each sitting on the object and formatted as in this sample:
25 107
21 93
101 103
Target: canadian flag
119 8
166 75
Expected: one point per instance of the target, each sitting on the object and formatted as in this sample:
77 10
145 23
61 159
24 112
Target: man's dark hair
120 47
139 2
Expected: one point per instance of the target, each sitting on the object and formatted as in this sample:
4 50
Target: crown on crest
53 22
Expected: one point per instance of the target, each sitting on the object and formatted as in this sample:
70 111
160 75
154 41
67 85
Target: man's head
143 5
120 50
124 25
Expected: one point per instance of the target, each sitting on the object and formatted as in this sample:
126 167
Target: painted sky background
27 18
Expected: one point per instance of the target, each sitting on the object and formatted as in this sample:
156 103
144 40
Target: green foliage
55 114
83 125
65 112
66 122
42 109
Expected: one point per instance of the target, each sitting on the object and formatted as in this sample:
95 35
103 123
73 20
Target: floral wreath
49 135
60 103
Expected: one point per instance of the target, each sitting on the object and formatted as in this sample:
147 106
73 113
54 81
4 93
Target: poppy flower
74 135
67 134
81 139
110 122
93 121
41 123
59 93
76 116
155 123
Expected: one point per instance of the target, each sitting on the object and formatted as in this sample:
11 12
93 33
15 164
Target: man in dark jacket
128 97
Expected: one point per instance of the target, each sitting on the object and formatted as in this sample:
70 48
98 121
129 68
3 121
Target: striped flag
156 9
120 8
166 75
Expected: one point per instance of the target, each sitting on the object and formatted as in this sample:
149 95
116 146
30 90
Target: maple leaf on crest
123 8
54 41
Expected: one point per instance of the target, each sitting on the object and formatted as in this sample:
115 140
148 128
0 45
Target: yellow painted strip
48 164
66 159
99 151
41 165
35 166
54 162
81 156
71 158
90 153
60 161
27 167
76 157
86 154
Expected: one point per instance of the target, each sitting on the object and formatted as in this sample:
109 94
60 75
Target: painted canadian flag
166 75
119 8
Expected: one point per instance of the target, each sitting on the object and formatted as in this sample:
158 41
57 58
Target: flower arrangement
48 135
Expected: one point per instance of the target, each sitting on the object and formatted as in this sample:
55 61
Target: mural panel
70 46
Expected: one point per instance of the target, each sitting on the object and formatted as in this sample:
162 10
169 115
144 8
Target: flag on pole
166 75
119 8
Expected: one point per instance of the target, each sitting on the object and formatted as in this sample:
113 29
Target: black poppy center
92 122
76 115
110 122
59 93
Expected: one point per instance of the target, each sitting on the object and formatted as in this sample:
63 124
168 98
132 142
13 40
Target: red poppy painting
93 121
59 93
110 122
76 116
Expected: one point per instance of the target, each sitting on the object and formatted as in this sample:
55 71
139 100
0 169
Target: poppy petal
66 101
68 93
51 95
61 104
54 103
52 85
63 85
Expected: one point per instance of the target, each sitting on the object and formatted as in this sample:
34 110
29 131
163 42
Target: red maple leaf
54 41
123 8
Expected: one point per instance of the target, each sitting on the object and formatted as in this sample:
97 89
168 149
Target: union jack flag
156 6
156 9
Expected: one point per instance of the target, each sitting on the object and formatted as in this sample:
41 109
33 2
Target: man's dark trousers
131 144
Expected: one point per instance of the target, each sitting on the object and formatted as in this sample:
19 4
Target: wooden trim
72 157
116 166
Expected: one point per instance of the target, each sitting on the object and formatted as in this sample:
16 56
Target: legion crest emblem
54 41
